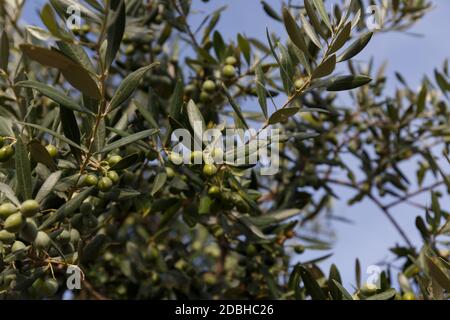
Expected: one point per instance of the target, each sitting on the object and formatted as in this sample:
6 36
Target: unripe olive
170 172
196 157
214 191
17 248
231 60
17 245
7 209
204 96
29 230
114 159
217 153
190 89
229 71
129 50
52 150
104 184
64 237
4 154
74 236
209 169
409 296
114 176
251 250
50 287
29 208
209 86
90 221
176 158
86 208
7 237
42 241
298 84
299 249
91 180
14 223
76 220
85 28
9 151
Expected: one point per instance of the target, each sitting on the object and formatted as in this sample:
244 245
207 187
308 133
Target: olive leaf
9 193
341 38
128 85
325 68
159 182
261 90
4 51
116 27
356 47
47 186
311 285
128 140
23 170
294 31
74 73
342 83
71 130
282 115
40 154
53 94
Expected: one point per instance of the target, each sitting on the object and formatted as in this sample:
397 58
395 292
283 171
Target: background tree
88 173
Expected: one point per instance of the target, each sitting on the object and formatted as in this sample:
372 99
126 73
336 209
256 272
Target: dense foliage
89 176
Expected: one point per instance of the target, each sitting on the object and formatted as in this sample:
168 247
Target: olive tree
96 181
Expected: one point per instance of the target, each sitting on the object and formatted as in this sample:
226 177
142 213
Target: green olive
74 236
29 208
18 248
52 150
231 61
229 71
196 157
114 159
250 250
170 172
9 151
409 296
14 223
209 86
114 176
129 50
176 158
3 155
209 169
90 221
298 84
42 241
91 180
50 287
7 237
7 209
299 249
29 231
86 207
104 184
214 191
64 237
204 96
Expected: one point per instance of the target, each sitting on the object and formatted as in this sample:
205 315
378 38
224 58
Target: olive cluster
206 91
109 178
6 150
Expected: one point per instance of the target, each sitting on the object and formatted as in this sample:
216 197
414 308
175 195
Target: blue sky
371 234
